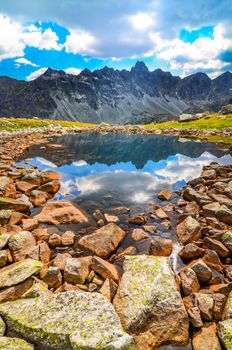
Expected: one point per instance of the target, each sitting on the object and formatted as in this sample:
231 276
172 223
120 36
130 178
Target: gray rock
14 344
67 321
18 272
227 240
224 214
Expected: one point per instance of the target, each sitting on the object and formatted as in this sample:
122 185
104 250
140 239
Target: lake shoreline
15 143
203 226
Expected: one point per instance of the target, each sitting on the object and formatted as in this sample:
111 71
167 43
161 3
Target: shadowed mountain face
117 148
113 96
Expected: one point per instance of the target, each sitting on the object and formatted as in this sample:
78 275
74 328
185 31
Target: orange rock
105 269
161 247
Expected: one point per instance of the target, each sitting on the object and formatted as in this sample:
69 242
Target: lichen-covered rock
227 240
67 321
21 244
149 305
18 272
2 327
14 344
224 331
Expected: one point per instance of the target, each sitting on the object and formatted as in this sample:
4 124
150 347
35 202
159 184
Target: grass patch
212 121
14 124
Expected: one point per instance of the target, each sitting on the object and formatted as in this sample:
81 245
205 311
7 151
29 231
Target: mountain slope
113 96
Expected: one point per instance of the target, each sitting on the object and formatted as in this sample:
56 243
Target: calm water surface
121 168
106 171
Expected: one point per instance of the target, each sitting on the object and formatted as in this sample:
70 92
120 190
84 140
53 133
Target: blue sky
181 37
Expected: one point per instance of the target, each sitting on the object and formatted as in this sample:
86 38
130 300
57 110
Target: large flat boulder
148 303
61 212
103 241
67 321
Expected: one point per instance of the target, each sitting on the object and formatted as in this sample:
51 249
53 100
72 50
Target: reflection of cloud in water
80 163
185 168
46 162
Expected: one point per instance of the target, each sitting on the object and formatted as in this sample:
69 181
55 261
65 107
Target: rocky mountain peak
139 67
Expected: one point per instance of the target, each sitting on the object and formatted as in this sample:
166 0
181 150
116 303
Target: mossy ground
15 124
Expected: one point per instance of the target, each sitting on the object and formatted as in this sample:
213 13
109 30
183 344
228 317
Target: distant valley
113 96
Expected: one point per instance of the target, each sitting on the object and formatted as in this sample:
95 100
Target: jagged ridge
113 96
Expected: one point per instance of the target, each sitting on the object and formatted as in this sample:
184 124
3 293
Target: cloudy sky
176 35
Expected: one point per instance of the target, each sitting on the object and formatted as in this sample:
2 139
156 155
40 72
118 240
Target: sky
179 36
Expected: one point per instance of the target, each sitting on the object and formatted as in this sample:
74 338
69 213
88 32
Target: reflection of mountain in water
119 147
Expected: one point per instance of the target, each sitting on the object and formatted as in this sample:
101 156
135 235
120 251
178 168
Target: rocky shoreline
80 289
13 144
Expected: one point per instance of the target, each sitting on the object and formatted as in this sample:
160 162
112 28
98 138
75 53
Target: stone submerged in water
67 321
148 303
60 212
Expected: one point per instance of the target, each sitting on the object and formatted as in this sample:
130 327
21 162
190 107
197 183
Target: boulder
224 330
164 194
104 268
68 238
188 230
191 251
67 321
138 235
16 205
24 186
38 198
21 244
60 212
227 240
104 241
14 344
186 117
205 303
202 271
224 214
161 247
195 317
189 281
227 109
148 303
192 195
18 272
77 270
206 338
217 246
60 260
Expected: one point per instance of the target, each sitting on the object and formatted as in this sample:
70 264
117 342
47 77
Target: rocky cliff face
113 96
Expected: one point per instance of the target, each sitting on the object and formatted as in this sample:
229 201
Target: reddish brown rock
139 234
60 260
191 251
53 277
138 219
212 259
161 247
21 244
189 281
40 234
15 292
160 213
202 271
217 246
44 252
61 212
54 240
29 224
68 238
165 194
77 270
109 289
206 338
24 186
104 241
188 230
105 269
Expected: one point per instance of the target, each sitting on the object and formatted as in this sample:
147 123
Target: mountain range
113 96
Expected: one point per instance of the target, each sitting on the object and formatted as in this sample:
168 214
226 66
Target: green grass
212 121
14 124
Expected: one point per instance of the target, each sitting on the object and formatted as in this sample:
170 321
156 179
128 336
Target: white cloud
24 61
73 71
80 163
202 54
141 21
48 40
80 42
36 74
11 44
